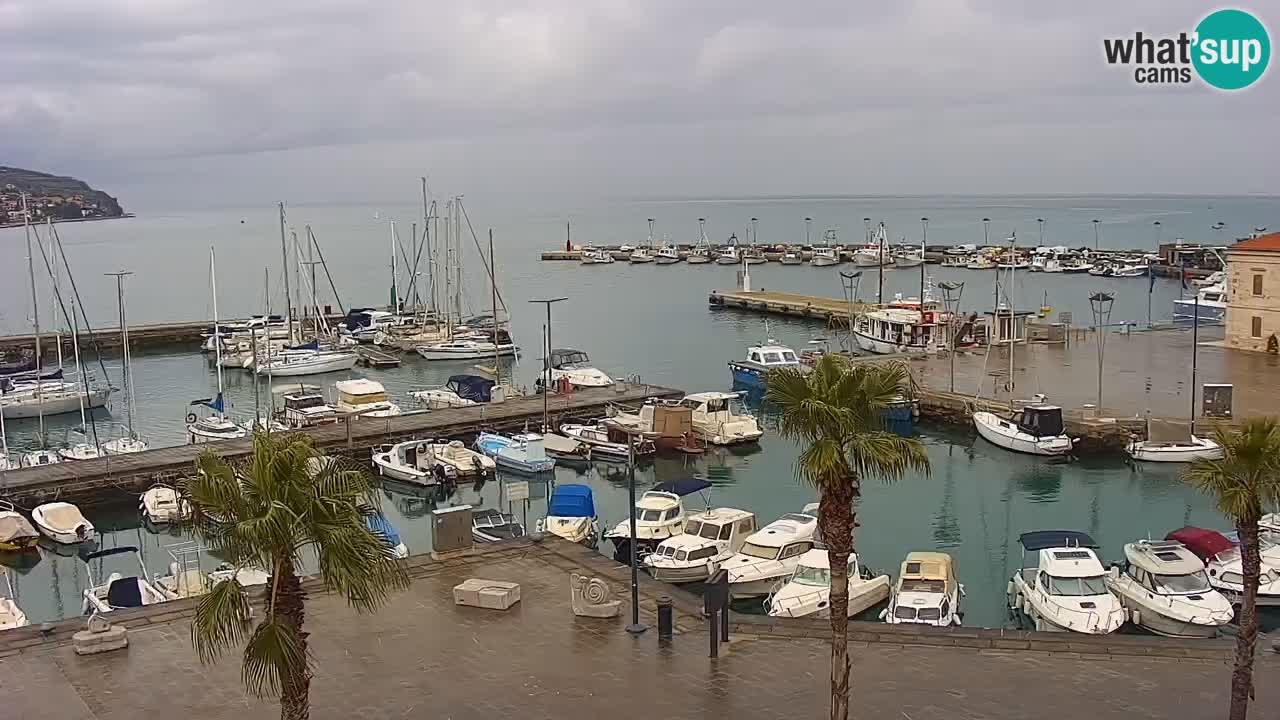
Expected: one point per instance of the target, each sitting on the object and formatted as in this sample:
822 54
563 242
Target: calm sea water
654 322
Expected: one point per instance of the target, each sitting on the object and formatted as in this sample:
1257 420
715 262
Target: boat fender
1135 616
1010 589
1017 602
191 418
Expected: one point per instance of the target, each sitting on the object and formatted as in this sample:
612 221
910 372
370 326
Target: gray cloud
336 98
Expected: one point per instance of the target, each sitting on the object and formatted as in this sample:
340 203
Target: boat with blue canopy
382 527
571 514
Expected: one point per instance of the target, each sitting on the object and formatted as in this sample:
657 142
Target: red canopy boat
1203 542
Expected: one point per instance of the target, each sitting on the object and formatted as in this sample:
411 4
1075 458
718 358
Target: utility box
451 529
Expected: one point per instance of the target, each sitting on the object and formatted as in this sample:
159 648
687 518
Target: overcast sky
189 103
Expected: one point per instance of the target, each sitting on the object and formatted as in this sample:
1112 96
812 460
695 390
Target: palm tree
1243 483
837 411
286 502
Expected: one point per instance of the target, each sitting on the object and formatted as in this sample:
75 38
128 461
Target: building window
1257 284
1257 327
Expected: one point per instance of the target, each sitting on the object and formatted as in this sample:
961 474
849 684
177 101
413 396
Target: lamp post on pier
546 360
1096 235
951 293
636 627
1101 303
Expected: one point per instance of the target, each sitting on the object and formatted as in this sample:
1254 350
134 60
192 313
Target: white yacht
365 396
571 515
575 368
660 514
769 555
927 592
1037 430
597 257
160 505
710 537
117 591
458 391
293 363
469 348
1222 561
808 590
62 523
413 461
1067 590
212 428
1172 442
32 398
11 616
825 257
715 420
1166 590
667 255
1212 304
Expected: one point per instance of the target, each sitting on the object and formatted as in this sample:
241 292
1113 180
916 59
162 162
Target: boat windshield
760 551
652 515
1077 586
904 612
819 577
1196 582
707 530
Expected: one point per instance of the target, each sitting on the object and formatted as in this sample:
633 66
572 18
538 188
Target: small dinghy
383 528
62 523
118 591
491 526
15 532
161 505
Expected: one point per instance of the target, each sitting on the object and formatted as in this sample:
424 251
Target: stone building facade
1253 305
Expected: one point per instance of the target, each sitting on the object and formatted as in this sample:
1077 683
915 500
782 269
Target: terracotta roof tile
1264 243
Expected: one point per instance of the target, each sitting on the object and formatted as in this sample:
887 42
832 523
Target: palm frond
221 619
274 652
1246 480
886 455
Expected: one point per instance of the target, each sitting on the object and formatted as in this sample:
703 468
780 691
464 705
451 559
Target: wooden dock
124 476
833 310
189 332
372 358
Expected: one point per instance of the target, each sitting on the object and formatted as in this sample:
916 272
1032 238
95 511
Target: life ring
191 418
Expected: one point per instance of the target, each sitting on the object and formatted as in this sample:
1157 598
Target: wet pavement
422 656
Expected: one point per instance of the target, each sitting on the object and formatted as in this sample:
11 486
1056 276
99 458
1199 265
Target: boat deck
82 480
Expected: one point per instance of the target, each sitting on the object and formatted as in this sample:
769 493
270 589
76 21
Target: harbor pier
187 332
833 311
89 481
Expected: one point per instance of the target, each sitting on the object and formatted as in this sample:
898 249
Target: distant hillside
55 191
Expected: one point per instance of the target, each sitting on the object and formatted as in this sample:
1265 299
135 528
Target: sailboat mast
1008 293
395 300
213 289
35 311
1195 344
426 236
284 262
880 271
124 343
457 257
75 351
54 298
493 283
448 270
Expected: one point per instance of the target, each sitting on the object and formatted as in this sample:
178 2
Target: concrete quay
423 655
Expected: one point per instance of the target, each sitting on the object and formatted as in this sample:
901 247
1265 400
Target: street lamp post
1041 222
546 360
951 293
1096 236
924 247
1101 303
636 627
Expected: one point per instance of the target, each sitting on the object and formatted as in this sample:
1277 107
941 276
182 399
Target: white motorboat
1067 590
1128 269
1075 264
304 408
468 348
1211 305
62 522
124 445
699 256
825 257
212 428
1037 430
754 256
640 255
522 453
901 327
961 250
956 261
1173 442
791 257
493 526
306 362
364 396
660 514
752 372
871 256
927 592
808 589
458 391
1222 560
1102 268
596 437
709 538
15 532
571 515
38 458
908 258
1214 278
11 616
729 255
80 451
667 255
597 257
770 555
160 505
117 591
574 367
1166 590
413 461
715 420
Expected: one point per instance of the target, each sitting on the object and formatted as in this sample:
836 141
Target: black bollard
665 618
715 631
724 624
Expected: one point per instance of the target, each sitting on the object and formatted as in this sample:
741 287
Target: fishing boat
597 257
62 522
571 515
522 453
574 367
770 555
926 593
901 327
379 525
871 256
729 255
791 257
491 526
161 505
295 363
118 591
1164 587
667 255
15 532
366 397
807 590
752 372
701 252
11 616
412 461
715 420
754 256
458 391
1224 565
1172 442
1209 304
660 514
1036 430
1067 589
644 253
908 257
597 438
709 538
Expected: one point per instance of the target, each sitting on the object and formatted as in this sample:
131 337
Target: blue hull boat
522 453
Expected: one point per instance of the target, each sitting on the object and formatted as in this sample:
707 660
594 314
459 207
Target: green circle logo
1232 49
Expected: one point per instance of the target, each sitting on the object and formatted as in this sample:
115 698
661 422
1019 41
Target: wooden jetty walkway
833 310
93 480
186 332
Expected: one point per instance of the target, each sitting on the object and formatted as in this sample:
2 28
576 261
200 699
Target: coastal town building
1253 303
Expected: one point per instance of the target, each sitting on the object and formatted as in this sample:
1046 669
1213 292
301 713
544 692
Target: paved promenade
421 656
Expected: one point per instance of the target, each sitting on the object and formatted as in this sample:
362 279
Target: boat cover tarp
471 387
15 527
572 501
379 524
63 517
358 318
566 356
1041 422
125 593
9 383
1203 542
1168 431
687 486
313 345
1044 539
